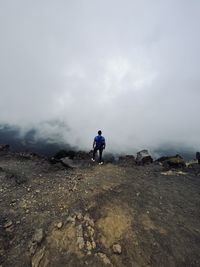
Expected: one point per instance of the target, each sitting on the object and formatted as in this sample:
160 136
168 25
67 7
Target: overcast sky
130 68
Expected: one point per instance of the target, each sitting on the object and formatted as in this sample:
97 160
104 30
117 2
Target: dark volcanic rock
143 157
174 162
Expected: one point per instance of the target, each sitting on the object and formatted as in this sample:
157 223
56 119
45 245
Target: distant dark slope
28 142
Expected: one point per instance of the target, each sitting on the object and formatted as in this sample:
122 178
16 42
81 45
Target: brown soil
152 215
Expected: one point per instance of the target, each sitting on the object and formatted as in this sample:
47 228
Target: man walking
98 144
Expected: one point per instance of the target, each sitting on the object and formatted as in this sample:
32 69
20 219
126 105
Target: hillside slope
93 215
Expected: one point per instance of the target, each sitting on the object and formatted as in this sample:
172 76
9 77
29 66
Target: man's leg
100 155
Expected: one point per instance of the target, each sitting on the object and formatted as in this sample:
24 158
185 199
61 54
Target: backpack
100 141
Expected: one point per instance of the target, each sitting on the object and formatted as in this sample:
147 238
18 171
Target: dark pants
100 153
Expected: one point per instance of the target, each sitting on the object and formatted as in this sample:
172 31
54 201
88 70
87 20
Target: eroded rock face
143 157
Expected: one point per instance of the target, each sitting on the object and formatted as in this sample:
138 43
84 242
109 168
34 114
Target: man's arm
94 143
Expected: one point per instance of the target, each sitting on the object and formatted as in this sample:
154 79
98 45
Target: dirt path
97 215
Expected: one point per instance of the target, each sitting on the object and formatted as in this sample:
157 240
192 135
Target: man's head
99 132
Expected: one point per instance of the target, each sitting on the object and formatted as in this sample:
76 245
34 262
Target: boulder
143 157
174 162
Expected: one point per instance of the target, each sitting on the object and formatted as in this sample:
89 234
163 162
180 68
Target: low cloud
129 68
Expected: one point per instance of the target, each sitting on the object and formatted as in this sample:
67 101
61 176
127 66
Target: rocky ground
91 215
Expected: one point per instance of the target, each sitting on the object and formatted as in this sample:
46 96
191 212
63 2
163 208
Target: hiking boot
101 163
92 159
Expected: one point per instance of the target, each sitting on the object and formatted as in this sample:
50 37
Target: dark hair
99 132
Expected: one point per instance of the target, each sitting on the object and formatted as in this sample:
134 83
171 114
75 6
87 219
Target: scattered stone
80 242
37 191
86 217
79 230
85 235
71 219
59 225
170 172
91 223
79 216
90 231
104 258
8 224
137 194
88 246
117 249
93 245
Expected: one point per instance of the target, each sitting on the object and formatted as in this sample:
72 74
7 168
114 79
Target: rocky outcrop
174 162
143 157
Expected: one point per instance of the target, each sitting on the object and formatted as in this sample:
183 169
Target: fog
130 68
